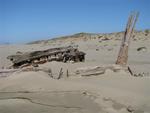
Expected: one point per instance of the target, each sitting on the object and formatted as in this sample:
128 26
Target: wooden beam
123 53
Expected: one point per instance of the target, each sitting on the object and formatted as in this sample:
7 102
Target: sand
111 92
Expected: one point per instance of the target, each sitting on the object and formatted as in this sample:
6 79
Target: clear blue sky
27 20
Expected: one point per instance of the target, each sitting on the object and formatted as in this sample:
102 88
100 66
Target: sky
23 21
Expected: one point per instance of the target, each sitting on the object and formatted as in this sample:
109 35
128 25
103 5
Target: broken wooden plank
123 53
89 71
11 71
99 70
67 73
93 73
8 70
60 73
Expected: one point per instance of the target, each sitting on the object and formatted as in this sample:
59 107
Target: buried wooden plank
35 69
89 71
8 70
93 73
67 73
97 70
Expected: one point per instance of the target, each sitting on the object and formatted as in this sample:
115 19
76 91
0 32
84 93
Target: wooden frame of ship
62 54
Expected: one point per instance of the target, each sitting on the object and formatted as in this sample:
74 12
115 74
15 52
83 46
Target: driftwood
88 71
6 72
123 53
38 57
130 71
141 49
93 73
60 73
67 73
97 70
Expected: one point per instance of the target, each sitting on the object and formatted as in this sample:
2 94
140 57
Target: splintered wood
61 54
123 53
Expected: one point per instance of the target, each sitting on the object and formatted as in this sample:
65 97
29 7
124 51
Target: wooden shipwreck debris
63 54
60 73
99 70
90 71
7 72
142 49
123 53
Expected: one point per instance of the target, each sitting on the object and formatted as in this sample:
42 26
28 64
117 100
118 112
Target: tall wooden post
123 53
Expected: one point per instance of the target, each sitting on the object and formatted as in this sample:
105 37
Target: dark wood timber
63 54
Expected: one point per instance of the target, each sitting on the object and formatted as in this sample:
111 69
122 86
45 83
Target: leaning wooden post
60 73
67 73
123 53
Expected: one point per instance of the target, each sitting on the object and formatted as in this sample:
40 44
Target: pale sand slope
36 92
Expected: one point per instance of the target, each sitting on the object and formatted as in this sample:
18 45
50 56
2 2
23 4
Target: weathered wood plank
123 53
60 54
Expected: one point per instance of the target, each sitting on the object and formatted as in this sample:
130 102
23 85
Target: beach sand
111 92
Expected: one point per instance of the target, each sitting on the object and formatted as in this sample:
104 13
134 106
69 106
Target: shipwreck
62 54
